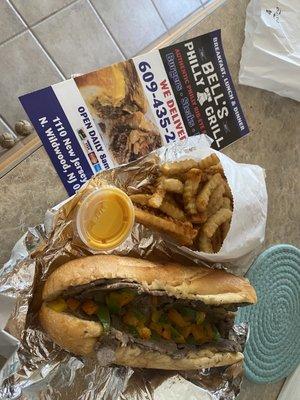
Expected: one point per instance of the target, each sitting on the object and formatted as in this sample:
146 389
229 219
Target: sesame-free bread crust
213 287
76 335
137 357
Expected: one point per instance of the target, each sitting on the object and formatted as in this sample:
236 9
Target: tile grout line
107 30
37 41
179 29
19 19
157 10
62 75
13 36
52 14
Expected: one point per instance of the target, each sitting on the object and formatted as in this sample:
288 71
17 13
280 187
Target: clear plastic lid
105 218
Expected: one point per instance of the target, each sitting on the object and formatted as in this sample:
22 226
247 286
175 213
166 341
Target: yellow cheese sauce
105 218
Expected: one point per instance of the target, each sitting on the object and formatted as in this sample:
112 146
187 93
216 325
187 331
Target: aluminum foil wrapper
33 367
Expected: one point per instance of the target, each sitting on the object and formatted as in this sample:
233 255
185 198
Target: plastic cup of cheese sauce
104 218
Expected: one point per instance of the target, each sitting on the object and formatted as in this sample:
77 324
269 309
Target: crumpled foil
33 367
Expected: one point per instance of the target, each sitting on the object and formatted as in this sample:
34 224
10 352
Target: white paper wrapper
250 199
271 52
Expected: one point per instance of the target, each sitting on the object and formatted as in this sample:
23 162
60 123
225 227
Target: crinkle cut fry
225 228
213 169
182 232
170 208
157 198
226 225
168 205
226 203
212 208
217 240
208 161
199 218
213 222
177 167
216 200
173 185
193 179
203 197
228 191
164 185
205 244
206 176
141 198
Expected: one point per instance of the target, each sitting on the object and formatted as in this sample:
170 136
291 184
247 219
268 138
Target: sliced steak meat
89 289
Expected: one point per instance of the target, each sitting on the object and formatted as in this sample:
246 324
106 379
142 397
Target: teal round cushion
273 348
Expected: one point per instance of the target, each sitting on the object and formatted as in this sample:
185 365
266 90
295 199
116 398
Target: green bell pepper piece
190 340
155 315
140 316
104 317
155 336
116 300
132 330
112 301
99 298
164 319
125 296
187 312
216 334
175 334
200 317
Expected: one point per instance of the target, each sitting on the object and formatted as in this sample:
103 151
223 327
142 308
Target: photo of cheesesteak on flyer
134 312
117 103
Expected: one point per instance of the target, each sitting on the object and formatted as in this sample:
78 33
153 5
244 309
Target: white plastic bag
271 52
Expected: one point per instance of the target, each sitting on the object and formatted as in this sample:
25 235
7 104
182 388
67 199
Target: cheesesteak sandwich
138 313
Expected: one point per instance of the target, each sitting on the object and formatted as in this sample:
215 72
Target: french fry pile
190 201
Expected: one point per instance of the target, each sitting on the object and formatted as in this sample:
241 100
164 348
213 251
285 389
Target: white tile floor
24 67
42 42
133 23
77 40
34 11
